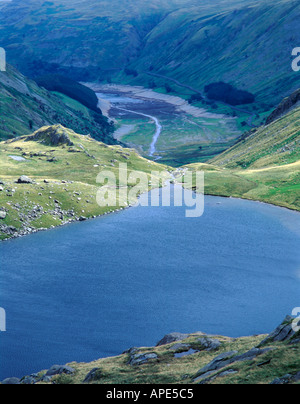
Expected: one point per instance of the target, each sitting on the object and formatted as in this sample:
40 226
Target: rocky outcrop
226 359
173 337
137 359
284 107
232 359
287 379
24 180
284 332
94 375
55 135
60 369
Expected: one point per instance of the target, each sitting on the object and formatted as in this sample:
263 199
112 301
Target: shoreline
120 209
139 92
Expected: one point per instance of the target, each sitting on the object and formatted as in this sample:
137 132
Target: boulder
93 375
173 337
25 180
11 380
180 347
59 369
286 379
209 344
141 358
2 215
284 332
226 359
219 362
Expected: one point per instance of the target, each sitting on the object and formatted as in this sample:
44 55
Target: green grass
281 360
184 138
71 176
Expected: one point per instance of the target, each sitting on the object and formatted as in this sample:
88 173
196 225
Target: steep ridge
24 107
277 143
285 106
262 166
244 43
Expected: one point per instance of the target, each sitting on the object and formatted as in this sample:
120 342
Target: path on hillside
158 130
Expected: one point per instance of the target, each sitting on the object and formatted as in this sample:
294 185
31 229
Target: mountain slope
60 183
244 43
24 107
264 166
249 47
275 144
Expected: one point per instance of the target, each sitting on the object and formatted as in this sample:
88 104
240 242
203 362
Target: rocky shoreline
184 347
37 211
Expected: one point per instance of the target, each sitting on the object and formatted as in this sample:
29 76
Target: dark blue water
96 288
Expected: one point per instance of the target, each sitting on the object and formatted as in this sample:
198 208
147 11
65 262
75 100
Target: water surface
96 288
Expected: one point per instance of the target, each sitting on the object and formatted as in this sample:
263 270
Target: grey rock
284 332
217 363
227 373
209 344
25 180
93 375
32 379
59 369
252 354
286 379
185 353
228 358
173 337
282 380
140 358
207 377
132 350
2 215
11 380
46 379
180 347
296 378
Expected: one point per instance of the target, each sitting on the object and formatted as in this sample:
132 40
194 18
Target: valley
184 133
106 104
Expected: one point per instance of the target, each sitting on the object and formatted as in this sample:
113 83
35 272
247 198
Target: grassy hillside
249 47
234 41
25 107
192 359
264 166
275 144
63 167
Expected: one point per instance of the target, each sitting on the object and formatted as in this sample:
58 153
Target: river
158 129
96 288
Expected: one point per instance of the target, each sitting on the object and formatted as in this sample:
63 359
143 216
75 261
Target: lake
93 289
